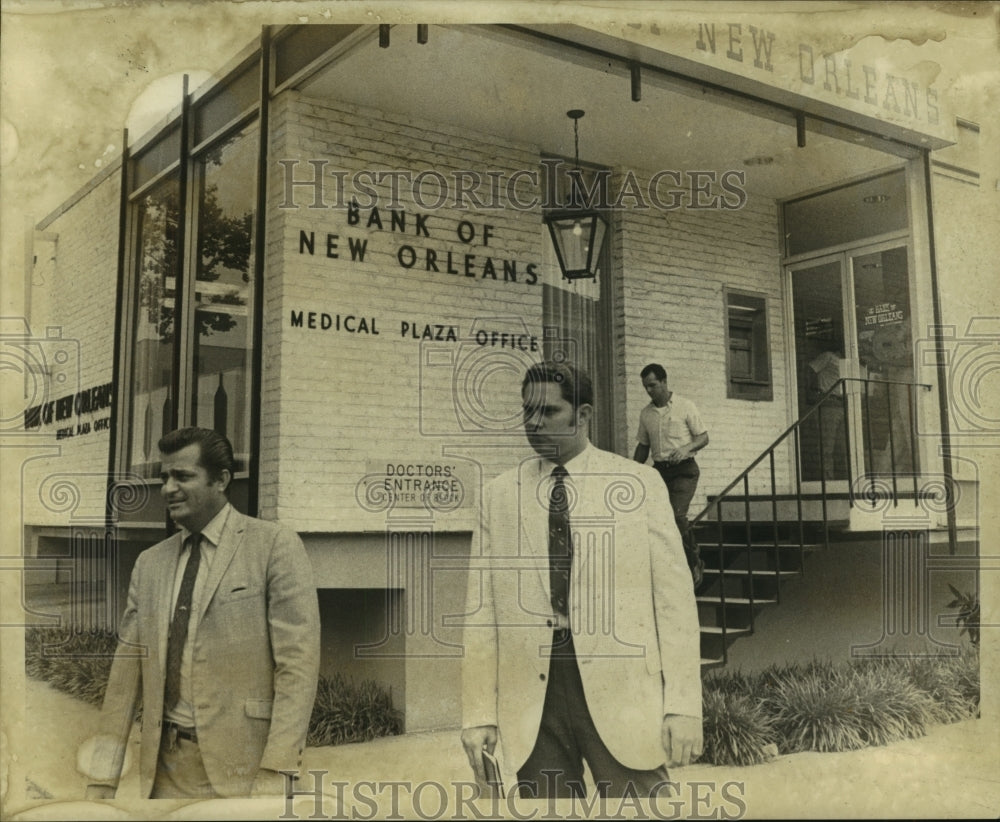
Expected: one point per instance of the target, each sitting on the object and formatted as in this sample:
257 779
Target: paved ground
954 772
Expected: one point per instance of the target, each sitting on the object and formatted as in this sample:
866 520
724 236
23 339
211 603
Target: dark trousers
567 737
682 480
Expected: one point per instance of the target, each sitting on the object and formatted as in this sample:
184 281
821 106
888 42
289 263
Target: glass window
154 316
220 108
223 292
846 214
749 357
156 157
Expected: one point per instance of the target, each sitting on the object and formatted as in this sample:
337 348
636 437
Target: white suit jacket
255 665
632 608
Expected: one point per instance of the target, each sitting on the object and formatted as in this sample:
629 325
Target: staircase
746 564
753 543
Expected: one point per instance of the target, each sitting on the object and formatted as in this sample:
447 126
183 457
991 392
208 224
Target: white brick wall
65 481
334 400
676 264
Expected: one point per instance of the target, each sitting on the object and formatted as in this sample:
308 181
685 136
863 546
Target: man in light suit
220 636
603 665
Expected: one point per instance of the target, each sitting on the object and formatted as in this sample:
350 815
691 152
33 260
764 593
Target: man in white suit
603 665
220 637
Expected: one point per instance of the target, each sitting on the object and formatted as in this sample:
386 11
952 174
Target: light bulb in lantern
577 228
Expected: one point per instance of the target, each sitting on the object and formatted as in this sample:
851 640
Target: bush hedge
822 706
78 663
816 706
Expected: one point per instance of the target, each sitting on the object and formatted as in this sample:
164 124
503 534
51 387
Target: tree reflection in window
152 365
224 176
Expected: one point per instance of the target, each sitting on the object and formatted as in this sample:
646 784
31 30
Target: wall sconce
577 231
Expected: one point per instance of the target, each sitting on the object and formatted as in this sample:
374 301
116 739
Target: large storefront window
220 397
154 323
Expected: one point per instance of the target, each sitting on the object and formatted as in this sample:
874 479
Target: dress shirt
211 534
672 426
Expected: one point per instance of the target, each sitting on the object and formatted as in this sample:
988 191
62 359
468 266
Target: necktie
179 624
560 541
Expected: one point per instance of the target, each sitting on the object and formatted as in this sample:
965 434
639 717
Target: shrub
891 706
346 713
814 713
968 613
737 730
950 682
75 662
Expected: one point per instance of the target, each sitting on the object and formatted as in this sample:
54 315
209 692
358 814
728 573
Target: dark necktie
560 541
179 625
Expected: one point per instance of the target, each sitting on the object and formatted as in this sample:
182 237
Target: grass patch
820 706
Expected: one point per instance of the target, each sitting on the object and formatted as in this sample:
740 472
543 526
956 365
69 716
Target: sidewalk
953 772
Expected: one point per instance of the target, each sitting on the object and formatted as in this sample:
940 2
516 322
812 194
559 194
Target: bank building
345 249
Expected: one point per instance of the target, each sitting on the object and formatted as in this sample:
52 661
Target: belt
672 464
180 732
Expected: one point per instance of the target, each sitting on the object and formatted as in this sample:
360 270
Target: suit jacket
632 609
256 657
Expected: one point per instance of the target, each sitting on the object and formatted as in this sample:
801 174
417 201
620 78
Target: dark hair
216 451
574 384
655 369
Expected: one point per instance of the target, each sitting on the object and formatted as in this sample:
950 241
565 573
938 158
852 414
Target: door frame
844 254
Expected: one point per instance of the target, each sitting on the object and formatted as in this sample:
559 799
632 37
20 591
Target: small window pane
748 361
235 96
156 157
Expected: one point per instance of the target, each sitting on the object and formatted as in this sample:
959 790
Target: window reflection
885 350
223 294
154 312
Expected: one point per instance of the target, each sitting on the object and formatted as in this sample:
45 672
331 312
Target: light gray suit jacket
632 609
256 657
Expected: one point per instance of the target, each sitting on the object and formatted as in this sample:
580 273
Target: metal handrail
795 426
769 454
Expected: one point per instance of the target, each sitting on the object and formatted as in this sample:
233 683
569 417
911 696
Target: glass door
852 318
880 286
821 351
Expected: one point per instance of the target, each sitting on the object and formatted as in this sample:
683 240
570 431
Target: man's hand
100 792
474 740
678 455
270 783
682 739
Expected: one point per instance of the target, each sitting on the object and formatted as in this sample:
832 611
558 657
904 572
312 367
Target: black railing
884 423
